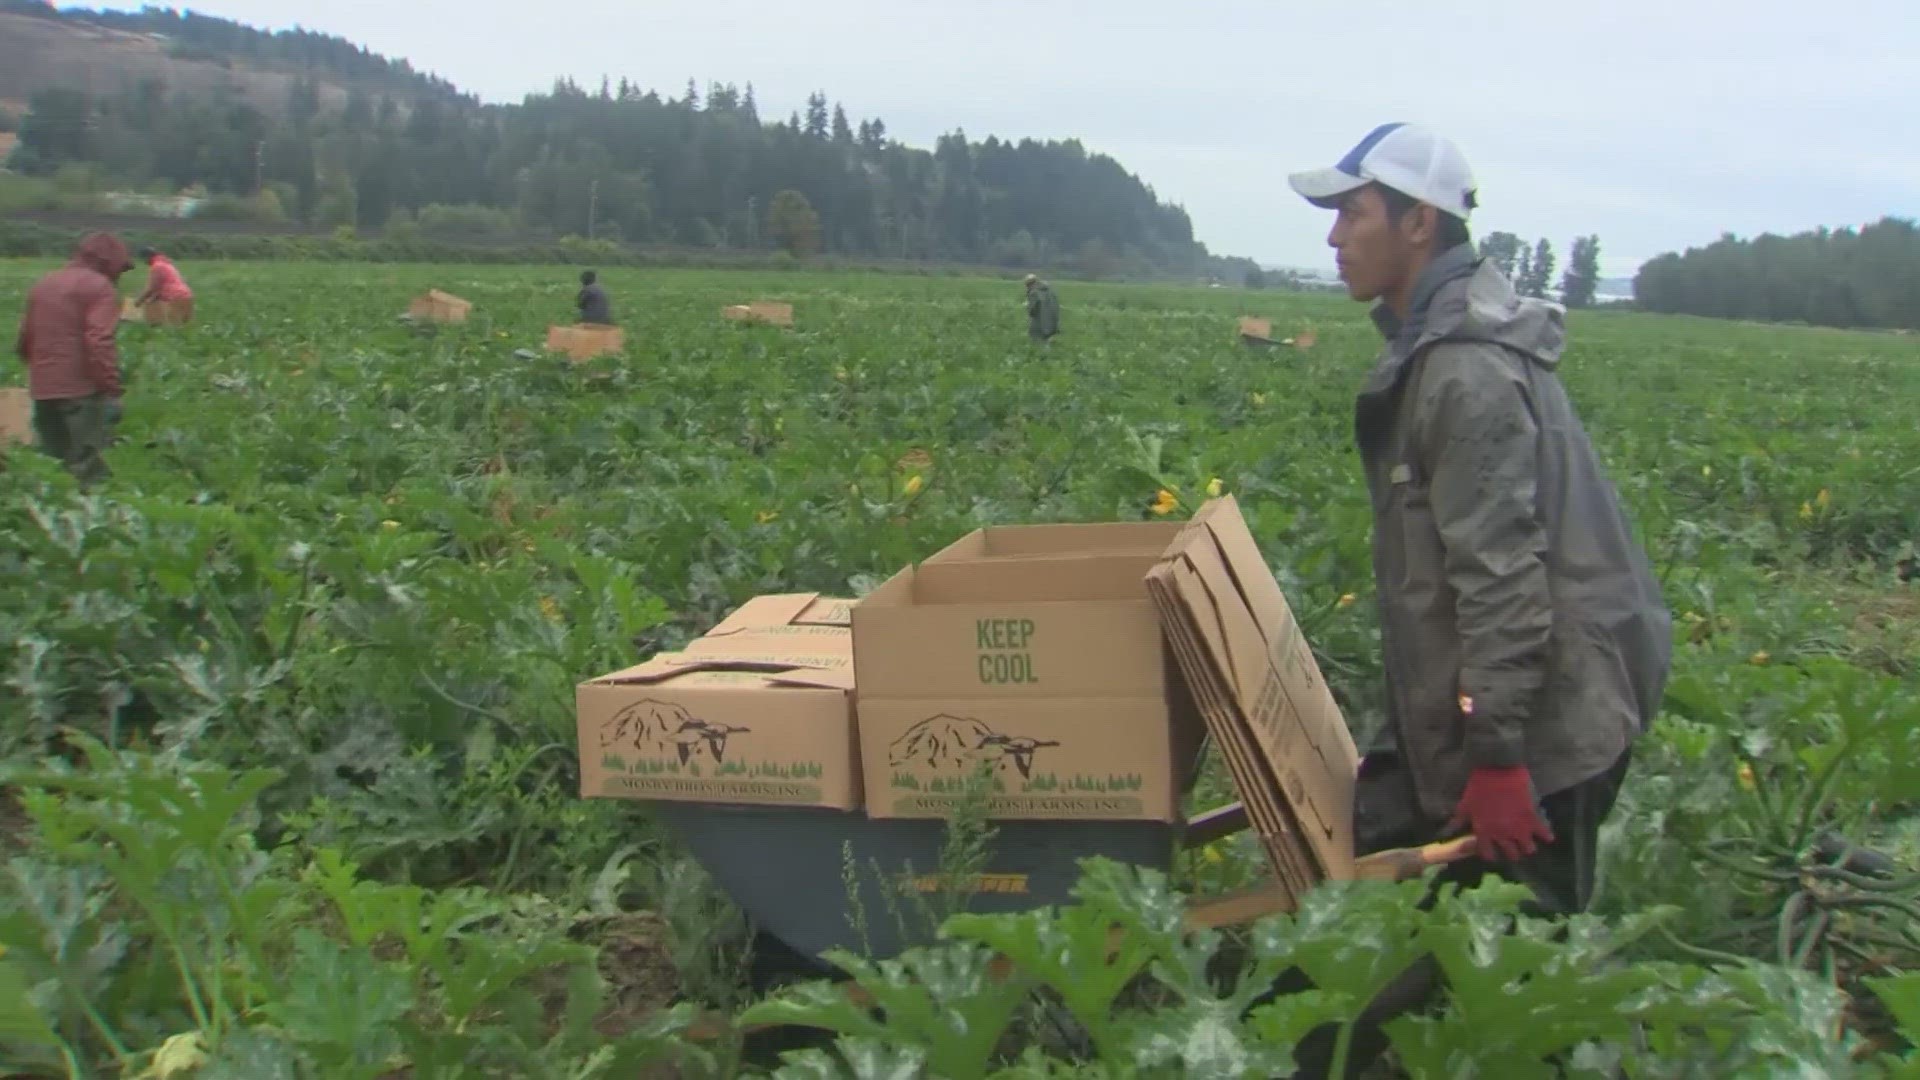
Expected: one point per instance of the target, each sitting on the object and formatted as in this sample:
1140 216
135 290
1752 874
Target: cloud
1654 124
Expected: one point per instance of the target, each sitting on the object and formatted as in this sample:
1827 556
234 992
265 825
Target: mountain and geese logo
659 728
948 743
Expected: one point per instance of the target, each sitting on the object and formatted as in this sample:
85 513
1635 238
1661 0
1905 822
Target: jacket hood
1463 297
104 254
1482 305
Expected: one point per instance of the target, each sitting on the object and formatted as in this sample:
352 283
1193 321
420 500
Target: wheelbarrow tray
787 867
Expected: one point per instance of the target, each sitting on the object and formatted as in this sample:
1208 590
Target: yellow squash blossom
1214 488
1746 776
1165 503
914 484
1346 600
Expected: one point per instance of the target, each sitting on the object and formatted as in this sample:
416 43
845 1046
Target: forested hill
337 135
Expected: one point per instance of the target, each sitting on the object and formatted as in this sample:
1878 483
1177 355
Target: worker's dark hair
1453 230
588 277
147 253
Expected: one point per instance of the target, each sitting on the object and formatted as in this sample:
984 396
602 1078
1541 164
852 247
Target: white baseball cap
1408 158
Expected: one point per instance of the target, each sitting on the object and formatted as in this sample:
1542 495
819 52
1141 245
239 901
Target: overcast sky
1656 125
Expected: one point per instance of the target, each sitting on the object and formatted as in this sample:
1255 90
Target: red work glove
1498 804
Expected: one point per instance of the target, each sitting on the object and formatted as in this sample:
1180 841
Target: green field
375 559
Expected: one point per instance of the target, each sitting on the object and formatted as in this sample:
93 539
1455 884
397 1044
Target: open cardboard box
1033 652
440 307
760 311
585 341
157 312
16 417
759 710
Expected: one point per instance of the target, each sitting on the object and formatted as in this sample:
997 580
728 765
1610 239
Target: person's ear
1419 226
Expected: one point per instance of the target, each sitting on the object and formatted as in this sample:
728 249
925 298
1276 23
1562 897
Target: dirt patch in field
1886 629
15 825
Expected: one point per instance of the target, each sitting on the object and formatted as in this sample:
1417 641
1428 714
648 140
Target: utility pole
593 205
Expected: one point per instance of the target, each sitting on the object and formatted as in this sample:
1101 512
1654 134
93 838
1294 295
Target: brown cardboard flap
789 669
1035 579
1077 539
762 611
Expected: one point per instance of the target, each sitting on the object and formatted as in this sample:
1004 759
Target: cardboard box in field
760 311
1256 329
759 710
1036 651
440 307
585 341
1268 708
157 312
16 417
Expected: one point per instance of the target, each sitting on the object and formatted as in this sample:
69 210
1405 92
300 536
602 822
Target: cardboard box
1257 329
16 417
584 342
1035 651
440 307
158 312
757 711
760 311
1286 743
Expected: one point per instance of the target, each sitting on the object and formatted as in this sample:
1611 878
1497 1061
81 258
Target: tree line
1827 277
1531 268
618 162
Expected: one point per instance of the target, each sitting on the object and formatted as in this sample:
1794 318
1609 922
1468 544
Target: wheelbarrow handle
1400 864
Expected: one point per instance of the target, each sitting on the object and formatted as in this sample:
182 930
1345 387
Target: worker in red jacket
73 364
165 284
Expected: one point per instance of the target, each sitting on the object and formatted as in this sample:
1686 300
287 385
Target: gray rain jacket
1505 567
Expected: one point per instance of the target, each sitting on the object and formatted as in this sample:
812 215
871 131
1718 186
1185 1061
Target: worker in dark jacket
1526 644
595 308
67 341
1043 310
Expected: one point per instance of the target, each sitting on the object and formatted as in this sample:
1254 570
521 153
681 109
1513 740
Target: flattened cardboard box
1036 651
759 711
1262 693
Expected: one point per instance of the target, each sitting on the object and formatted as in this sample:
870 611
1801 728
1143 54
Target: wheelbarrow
788 879
816 880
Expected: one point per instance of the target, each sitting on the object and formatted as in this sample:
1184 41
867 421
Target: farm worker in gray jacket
1043 310
595 308
1526 644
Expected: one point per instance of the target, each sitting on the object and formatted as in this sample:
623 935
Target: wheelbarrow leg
1219 822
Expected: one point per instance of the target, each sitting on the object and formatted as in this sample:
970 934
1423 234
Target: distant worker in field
595 308
164 283
1525 640
1043 310
73 362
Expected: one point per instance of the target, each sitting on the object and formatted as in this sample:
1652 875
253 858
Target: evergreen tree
1540 270
1582 279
